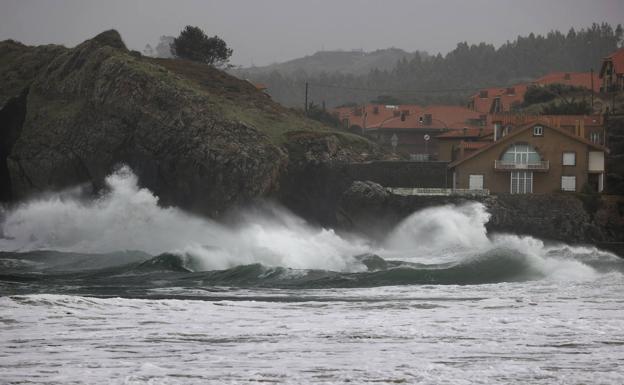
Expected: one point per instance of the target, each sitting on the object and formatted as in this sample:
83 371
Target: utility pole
592 90
306 99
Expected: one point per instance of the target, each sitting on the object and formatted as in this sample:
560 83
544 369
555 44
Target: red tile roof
508 99
617 58
576 79
376 116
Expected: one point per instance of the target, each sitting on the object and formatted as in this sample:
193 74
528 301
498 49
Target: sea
118 289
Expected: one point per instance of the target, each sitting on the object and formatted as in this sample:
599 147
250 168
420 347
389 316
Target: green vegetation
239 100
451 78
573 107
320 114
193 44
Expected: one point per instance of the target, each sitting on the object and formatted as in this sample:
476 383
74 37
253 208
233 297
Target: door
475 182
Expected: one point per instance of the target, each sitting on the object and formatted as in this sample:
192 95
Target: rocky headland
197 137
205 141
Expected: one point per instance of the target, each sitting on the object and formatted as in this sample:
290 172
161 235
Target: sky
266 31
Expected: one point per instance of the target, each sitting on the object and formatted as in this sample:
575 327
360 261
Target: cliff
197 137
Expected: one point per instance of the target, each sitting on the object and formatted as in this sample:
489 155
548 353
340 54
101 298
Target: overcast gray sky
266 31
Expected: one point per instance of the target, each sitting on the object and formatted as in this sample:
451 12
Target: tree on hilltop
193 44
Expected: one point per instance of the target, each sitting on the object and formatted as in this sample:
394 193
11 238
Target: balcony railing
502 165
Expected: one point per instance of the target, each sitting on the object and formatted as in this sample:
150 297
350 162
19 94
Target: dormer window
538 131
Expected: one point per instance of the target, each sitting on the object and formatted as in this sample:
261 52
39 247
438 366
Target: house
505 99
612 72
459 143
590 127
408 129
587 80
498 99
533 158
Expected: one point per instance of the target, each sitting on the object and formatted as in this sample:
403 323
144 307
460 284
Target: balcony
500 165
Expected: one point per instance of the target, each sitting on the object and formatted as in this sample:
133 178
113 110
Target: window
569 159
521 182
538 131
496 105
595 137
568 183
521 154
511 91
483 94
475 182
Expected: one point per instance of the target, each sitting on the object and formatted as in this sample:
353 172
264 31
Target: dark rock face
368 208
93 107
558 217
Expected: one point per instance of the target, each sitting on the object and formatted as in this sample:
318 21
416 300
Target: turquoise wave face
136 274
266 247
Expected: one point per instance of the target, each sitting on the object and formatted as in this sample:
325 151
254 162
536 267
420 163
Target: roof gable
521 130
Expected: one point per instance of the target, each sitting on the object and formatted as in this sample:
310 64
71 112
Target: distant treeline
450 79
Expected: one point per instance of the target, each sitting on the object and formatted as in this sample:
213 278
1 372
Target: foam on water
127 217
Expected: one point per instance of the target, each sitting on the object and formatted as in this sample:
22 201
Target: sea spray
127 217
452 240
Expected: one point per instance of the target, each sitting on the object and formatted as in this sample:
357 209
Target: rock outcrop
369 208
198 138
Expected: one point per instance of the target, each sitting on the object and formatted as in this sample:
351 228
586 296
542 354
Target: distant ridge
354 62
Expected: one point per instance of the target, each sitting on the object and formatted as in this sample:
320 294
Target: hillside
197 137
450 78
344 62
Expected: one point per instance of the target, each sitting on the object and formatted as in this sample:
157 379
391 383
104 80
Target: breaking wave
273 247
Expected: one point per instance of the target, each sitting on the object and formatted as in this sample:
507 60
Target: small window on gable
375 110
483 94
568 183
538 131
511 91
569 159
566 76
595 137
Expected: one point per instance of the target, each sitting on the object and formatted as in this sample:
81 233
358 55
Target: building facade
410 130
535 158
612 72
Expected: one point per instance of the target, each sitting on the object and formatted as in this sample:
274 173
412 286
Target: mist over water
127 217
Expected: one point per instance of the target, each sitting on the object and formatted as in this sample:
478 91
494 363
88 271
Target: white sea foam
129 218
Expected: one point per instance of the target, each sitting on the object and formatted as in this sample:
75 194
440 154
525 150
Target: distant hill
354 62
337 78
